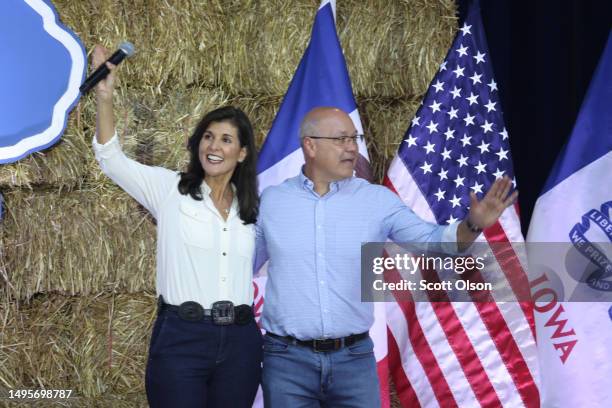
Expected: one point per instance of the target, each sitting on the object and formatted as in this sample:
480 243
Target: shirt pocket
195 225
245 240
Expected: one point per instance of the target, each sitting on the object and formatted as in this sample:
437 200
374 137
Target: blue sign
43 64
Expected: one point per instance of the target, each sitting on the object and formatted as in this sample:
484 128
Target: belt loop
160 304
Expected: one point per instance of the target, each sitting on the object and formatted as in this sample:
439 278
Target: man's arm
261 250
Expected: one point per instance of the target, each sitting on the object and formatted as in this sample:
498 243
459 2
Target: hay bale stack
80 242
96 345
385 122
393 49
253 47
176 41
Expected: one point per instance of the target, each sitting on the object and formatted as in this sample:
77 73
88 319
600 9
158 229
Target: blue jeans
298 377
199 364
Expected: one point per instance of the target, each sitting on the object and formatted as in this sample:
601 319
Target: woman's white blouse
200 256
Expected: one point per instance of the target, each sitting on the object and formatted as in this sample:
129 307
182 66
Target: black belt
222 313
323 344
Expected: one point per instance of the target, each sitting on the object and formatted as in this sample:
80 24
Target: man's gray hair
308 127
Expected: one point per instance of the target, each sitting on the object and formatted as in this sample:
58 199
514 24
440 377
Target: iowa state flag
575 339
43 64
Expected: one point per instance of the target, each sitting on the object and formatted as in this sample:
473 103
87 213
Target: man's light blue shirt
313 244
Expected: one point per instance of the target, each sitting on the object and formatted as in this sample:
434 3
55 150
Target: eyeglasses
341 140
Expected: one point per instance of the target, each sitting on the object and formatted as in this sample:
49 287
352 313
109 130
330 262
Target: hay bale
385 122
76 243
393 49
61 165
95 345
247 47
253 47
262 45
176 41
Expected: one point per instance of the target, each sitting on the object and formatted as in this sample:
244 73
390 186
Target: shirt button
322 282
224 229
224 254
223 279
320 254
318 226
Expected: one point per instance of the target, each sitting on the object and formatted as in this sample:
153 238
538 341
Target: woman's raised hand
104 88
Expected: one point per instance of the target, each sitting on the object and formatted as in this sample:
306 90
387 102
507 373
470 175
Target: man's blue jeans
298 377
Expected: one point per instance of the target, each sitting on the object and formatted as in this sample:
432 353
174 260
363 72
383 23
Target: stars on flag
426 167
433 127
429 147
492 85
502 154
465 29
498 173
443 174
458 181
449 133
486 126
455 201
459 71
480 167
457 142
472 98
476 188
504 134
435 107
476 78
479 57
469 119
484 147
411 140
462 50
456 92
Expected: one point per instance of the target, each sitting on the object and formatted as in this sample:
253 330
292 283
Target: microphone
126 49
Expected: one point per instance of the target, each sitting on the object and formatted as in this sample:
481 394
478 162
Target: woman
205 349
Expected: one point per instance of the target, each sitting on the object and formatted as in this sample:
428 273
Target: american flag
461 354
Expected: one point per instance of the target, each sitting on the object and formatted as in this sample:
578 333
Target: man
317 351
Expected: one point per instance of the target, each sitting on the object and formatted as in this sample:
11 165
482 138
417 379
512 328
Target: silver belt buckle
223 313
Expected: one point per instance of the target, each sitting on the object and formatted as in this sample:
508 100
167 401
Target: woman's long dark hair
245 174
